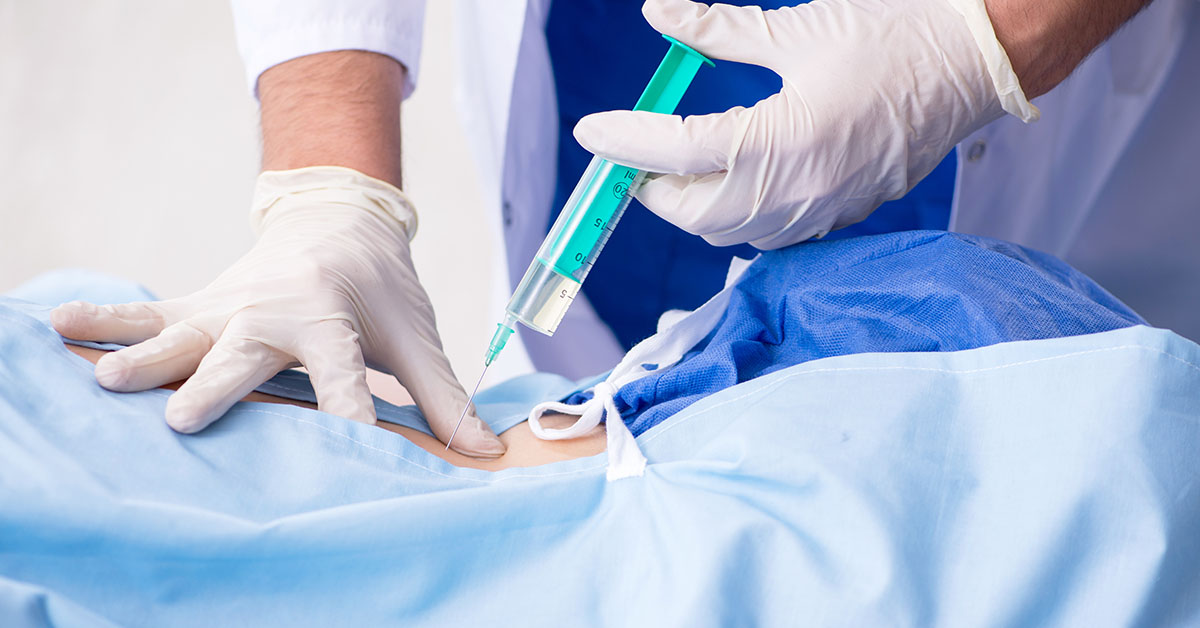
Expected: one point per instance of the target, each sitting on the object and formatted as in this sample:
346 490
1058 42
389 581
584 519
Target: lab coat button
975 153
506 213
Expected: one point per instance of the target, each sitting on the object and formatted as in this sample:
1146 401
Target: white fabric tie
678 333
624 457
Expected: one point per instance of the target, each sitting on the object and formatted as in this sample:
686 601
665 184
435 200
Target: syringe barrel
575 241
593 209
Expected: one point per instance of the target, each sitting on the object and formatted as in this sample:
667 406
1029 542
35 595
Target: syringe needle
467 407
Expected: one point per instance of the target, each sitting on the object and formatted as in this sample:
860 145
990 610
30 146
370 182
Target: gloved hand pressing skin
330 284
875 93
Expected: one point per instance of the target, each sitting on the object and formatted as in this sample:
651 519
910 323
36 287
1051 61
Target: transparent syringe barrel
573 244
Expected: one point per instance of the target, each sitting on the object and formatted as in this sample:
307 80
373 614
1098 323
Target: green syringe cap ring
499 339
688 49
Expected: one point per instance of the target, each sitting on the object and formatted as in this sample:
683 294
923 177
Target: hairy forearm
333 109
1047 39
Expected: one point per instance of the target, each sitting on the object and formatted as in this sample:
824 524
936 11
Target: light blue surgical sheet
1048 482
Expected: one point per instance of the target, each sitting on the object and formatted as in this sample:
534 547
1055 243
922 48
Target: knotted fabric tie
624 457
678 333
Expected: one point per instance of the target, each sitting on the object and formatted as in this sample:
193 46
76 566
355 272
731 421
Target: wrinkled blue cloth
1047 483
907 291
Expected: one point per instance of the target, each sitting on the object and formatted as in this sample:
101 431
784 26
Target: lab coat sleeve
270 32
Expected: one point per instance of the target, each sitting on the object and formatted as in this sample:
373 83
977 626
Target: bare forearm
333 109
1047 39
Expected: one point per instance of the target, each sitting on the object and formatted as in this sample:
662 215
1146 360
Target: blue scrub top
603 53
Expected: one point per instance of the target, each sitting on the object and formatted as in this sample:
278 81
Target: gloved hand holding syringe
582 228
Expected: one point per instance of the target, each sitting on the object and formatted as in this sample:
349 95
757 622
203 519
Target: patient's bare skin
524 449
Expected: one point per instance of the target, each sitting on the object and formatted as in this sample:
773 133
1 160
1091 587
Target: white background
129 145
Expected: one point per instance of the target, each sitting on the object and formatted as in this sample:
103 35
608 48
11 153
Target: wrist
1047 39
337 108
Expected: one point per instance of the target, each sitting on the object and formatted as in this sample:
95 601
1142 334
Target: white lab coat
1108 180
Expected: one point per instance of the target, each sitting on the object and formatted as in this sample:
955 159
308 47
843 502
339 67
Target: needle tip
467 407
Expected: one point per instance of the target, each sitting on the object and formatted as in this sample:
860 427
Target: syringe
586 221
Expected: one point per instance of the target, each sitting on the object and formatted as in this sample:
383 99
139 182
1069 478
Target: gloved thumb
662 143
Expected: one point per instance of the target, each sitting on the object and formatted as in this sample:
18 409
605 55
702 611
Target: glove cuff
1004 79
344 186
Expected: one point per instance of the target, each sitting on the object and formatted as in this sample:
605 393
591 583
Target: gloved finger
406 343
235 366
689 202
805 224
699 205
441 399
420 365
657 142
167 357
126 323
727 207
335 366
719 31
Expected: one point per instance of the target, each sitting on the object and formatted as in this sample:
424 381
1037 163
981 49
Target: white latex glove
329 283
875 93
